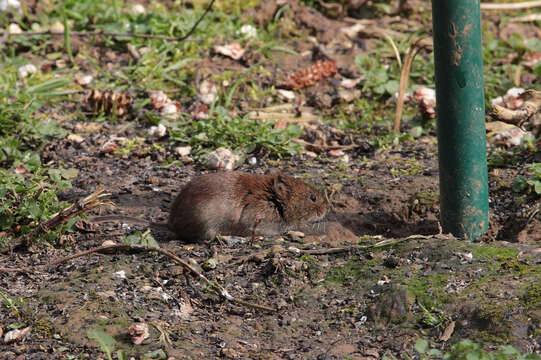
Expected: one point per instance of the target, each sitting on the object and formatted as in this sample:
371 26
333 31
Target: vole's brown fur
237 203
234 203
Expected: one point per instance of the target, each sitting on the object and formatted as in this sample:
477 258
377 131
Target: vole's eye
313 197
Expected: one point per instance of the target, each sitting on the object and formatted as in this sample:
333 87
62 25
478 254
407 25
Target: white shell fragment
138 332
222 158
252 161
26 70
183 150
14 29
233 50
248 31
120 274
83 80
157 131
208 92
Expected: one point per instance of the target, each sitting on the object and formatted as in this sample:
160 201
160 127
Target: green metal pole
460 110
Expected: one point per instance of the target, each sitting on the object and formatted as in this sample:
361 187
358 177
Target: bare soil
353 304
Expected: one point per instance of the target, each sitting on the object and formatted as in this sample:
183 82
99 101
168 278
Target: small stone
83 80
168 109
138 332
121 274
336 153
157 131
76 139
60 63
56 28
310 154
252 161
466 257
294 250
208 92
14 29
233 50
137 9
26 70
349 83
285 94
109 147
16 335
183 150
248 31
108 243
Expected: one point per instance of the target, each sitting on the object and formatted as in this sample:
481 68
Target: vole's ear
280 187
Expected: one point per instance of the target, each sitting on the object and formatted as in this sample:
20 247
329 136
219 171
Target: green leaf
474 355
47 86
537 187
509 350
416 131
392 86
421 345
434 353
520 184
105 341
70 173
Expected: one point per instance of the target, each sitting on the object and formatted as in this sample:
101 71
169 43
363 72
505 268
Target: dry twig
418 45
90 202
217 288
395 49
527 18
531 107
382 243
15 270
511 6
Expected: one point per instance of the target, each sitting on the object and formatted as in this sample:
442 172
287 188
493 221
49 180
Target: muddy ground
360 302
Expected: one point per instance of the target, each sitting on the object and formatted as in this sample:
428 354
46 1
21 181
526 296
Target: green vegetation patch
430 289
353 270
237 133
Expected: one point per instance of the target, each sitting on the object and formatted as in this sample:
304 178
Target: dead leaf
448 331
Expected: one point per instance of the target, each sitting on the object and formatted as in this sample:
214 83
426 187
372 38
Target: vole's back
234 203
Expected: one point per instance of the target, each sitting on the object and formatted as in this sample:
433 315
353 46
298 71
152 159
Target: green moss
429 290
352 270
493 339
427 198
532 296
408 167
491 312
43 327
489 252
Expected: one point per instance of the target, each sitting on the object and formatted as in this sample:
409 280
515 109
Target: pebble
222 158
183 150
